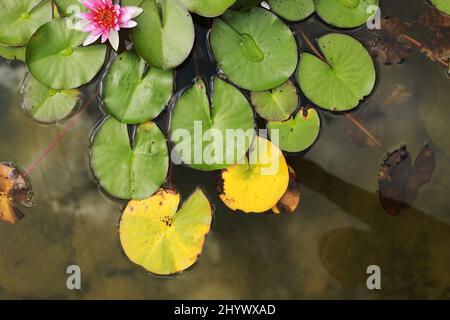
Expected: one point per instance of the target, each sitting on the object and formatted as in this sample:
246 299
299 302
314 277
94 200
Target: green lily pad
20 19
194 120
161 237
292 10
129 171
47 105
298 133
208 8
254 48
277 104
12 53
442 5
56 58
165 33
345 13
343 80
70 7
133 92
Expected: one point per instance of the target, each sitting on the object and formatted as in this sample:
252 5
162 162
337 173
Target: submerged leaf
291 198
399 181
163 239
254 48
258 184
14 189
129 170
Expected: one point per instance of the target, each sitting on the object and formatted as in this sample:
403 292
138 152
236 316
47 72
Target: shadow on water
411 248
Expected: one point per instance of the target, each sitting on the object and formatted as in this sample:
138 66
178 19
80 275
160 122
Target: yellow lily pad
259 183
161 239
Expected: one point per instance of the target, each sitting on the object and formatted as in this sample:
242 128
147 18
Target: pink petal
128 24
114 39
89 28
91 38
91 4
130 12
105 35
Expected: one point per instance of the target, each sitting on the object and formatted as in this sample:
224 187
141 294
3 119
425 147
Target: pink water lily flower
105 19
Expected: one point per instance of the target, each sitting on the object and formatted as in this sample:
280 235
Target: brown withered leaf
14 189
291 199
387 44
399 181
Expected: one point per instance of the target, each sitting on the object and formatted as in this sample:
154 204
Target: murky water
321 251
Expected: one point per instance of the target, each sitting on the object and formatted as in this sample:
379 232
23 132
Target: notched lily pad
161 238
399 181
277 104
298 133
165 33
341 81
47 105
212 137
55 56
291 198
129 170
258 184
134 92
20 19
208 8
14 190
254 48
346 13
292 10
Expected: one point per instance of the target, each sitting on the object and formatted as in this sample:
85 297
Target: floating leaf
134 92
56 58
346 13
161 239
12 53
127 170
47 105
254 49
230 112
442 5
70 7
276 104
208 8
164 36
343 80
399 181
291 198
14 189
298 133
20 19
292 10
258 184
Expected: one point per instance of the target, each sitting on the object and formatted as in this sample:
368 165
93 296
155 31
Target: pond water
320 251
